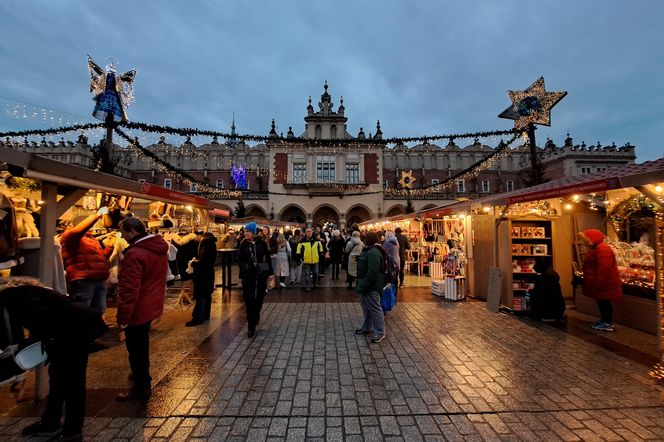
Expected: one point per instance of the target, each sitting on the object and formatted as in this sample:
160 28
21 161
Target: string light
658 370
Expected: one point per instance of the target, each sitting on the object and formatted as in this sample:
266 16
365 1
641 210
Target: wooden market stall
542 221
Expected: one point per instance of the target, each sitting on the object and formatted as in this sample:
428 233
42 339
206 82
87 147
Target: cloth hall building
310 183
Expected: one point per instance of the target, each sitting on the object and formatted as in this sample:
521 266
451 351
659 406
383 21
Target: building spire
233 126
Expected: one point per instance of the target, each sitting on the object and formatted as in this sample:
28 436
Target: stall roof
631 175
400 217
449 209
45 169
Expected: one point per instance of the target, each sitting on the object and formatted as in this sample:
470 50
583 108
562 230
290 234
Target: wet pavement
446 371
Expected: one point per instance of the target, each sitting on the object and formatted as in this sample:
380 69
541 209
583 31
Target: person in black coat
255 269
546 299
66 329
203 279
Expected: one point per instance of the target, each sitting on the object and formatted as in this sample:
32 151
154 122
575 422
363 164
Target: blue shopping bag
388 298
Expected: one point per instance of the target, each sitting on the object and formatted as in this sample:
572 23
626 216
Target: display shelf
524 237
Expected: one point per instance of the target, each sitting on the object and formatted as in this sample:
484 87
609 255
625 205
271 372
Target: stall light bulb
568 206
658 189
487 209
189 208
576 198
462 215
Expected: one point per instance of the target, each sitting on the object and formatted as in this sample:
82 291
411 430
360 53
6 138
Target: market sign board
173 195
585 187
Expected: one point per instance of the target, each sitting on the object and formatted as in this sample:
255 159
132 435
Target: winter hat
251 227
594 235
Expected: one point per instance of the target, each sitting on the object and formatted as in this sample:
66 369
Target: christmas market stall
540 223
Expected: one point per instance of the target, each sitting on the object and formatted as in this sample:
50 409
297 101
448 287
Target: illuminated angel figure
407 179
112 92
239 175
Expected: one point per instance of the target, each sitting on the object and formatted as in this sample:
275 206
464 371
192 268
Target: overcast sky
421 67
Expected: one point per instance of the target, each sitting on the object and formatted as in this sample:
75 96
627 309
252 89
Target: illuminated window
168 183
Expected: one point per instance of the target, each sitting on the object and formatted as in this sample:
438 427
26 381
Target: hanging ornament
407 179
239 175
112 92
532 105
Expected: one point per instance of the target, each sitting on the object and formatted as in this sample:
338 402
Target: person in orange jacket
601 279
86 262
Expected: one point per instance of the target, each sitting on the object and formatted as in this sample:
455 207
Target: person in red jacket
86 263
601 279
141 294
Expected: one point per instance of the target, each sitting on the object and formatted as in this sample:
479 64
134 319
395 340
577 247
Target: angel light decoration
239 175
112 92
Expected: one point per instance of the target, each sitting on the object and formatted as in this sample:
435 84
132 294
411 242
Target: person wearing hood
203 266
140 296
353 250
66 329
601 279
546 300
391 245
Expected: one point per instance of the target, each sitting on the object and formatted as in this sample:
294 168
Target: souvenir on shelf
516 232
539 232
540 249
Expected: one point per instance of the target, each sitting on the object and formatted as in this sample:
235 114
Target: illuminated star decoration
532 105
239 175
112 92
407 179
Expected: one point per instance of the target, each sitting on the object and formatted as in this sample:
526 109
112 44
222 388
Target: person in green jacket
370 284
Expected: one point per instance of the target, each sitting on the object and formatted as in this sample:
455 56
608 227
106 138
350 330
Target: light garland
178 175
658 370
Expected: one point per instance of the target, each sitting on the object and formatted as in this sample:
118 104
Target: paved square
446 371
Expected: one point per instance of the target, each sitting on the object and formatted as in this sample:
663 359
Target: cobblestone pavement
446 371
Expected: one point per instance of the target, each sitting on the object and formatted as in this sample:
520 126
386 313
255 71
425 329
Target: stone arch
323 214
255 211
293 213
397 209
357 214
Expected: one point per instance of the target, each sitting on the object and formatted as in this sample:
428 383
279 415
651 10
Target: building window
461 186
386 184
586 169
220 184
601 169
192 188
353 173
141 180
485 186
326 169
510 186
168 183
435 181
299 172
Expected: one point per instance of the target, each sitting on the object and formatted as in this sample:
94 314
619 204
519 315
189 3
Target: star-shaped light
532 105
407 179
